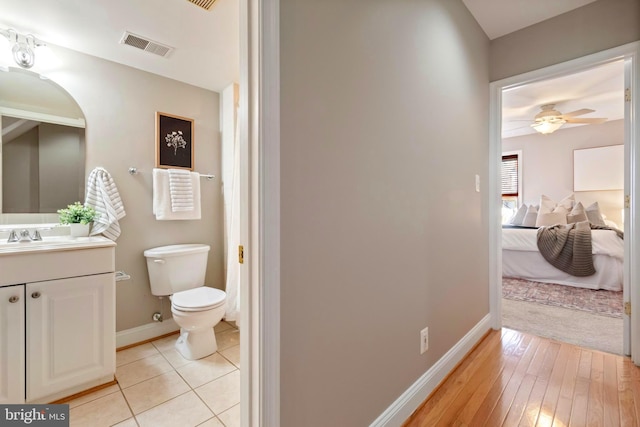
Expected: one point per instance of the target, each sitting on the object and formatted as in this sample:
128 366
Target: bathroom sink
53 243
55 257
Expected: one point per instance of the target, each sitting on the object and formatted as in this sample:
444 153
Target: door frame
629 52
259 116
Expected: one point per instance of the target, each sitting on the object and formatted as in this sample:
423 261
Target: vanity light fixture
23 47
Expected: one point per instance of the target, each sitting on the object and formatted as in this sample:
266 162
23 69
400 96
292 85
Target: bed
522 259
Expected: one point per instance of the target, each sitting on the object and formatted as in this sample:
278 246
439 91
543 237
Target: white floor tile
186 410
131 422
227 339
140 370
93 396
157 384
231 417
105 411
213 422
135 353
166 343
154 391
232 354
222 393
175 358
202 371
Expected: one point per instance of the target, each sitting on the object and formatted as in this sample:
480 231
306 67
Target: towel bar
134 171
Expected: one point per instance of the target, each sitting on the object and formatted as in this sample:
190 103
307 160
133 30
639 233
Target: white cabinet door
12 344
70 333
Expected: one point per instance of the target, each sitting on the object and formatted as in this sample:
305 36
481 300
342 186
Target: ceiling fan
549 120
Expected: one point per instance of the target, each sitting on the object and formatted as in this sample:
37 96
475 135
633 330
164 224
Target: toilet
178 271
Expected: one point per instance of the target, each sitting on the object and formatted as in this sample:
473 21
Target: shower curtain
232 222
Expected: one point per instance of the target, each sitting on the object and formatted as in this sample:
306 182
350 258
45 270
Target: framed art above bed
598 169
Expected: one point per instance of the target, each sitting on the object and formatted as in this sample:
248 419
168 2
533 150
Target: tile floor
157 387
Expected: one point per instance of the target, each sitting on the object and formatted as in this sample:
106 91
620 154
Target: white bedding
521 258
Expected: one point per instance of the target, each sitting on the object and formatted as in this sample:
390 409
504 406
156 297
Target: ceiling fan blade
593 120
578 113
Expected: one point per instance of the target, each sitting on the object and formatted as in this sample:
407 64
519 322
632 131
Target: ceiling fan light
546 127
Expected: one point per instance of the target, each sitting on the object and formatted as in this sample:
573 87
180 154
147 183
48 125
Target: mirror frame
35 218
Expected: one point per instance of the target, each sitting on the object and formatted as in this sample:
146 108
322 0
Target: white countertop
54 243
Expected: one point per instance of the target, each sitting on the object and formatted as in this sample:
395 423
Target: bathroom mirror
42 148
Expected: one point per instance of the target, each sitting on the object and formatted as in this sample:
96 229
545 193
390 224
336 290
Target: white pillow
577 214
558 210
551 218
530 217
519 216
568 202
593 214
547 204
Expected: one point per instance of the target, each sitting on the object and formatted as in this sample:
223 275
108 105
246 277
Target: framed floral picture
174 141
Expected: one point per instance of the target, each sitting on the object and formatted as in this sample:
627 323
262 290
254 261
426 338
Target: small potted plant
79 217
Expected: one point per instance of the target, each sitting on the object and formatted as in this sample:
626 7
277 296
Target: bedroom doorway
625 58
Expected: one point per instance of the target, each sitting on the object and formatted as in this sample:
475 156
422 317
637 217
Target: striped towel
181 190
103 196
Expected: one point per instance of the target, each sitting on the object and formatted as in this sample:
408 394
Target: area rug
601 302
576 327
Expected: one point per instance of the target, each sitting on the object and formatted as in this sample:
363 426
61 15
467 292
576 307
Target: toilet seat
198 299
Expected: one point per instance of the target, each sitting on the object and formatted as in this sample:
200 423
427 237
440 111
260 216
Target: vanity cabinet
70 333
57 336
12 345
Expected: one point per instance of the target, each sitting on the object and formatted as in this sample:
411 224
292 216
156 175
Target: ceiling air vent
205 4
146 44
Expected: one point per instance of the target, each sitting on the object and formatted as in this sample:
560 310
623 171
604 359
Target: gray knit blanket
568 248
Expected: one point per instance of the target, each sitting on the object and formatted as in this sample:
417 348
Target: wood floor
517 379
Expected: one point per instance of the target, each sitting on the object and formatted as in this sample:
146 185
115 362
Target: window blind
510 175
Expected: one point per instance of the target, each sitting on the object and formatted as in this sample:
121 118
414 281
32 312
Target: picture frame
598 168
174 142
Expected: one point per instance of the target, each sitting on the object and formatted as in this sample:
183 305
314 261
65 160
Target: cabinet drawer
36 267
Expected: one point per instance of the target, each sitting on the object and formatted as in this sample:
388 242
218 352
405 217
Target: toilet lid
198 299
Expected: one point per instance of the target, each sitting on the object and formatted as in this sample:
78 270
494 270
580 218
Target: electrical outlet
424 340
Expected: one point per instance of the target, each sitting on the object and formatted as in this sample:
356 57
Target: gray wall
592 28
61 159
43 169
547 164
20 168
120 104
384 110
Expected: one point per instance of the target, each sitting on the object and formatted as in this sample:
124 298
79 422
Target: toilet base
196 344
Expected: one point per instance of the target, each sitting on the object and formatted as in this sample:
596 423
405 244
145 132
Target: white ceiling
600 89
206 42
500 17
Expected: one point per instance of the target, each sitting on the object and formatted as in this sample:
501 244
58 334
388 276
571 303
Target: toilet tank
176 268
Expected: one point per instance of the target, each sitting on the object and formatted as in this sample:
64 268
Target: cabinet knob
35 295
14 299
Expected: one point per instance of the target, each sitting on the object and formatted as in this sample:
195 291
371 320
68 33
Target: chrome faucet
24 236
13 237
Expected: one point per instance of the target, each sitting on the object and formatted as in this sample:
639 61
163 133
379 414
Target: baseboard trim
145 332
400 410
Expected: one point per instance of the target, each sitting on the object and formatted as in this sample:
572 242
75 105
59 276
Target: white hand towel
103 196
162 197
181 190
